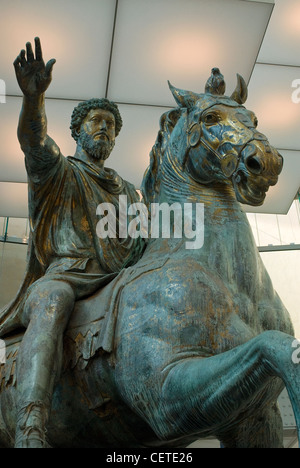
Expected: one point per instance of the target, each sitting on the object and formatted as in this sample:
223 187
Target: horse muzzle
258 169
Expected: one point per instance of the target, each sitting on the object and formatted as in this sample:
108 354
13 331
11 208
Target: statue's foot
31 426
32 438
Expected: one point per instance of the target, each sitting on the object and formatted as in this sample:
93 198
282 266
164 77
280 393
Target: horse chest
229 253
201 307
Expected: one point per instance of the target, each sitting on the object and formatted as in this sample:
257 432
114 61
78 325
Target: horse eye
211 119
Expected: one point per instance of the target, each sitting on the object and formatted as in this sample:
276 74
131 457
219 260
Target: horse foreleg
209 394
278 354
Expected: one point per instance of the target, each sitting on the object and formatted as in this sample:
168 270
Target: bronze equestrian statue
180 344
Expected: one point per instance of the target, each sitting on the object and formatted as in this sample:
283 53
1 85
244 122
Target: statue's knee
53 299
61 294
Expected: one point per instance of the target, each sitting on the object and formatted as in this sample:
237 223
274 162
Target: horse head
213 138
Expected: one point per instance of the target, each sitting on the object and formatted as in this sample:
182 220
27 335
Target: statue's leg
47 312
262 430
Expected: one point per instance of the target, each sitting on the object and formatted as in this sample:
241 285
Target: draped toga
64 194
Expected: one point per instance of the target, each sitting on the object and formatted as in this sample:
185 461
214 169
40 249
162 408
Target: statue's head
94 125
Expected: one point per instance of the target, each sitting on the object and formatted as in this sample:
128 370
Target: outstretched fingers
27 56
38 49
39 57
30 55
20 60
23 58
49 67
32 74
17 63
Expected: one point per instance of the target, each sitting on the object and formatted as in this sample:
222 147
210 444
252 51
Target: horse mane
151 180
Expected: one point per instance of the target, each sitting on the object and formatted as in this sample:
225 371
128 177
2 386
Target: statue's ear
240 93
184 98
77 133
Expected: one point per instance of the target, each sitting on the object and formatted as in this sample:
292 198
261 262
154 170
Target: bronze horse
189 342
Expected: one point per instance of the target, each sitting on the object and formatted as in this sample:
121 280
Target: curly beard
99 149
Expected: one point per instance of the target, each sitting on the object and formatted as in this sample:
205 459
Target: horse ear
184 98
240 93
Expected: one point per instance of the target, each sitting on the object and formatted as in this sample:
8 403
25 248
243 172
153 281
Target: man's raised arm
34 77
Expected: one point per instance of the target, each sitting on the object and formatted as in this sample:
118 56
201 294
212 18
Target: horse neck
228 249
177 186
225 223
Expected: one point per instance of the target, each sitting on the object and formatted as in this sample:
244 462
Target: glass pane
270 229
284 270
12 269
18 229
289 225
268 232
2 226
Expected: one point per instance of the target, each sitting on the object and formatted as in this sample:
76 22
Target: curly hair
83 108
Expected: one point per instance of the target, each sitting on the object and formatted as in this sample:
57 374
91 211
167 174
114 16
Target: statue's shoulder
128 184
131 189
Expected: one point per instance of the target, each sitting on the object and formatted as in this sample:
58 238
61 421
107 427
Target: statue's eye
211 119
256 122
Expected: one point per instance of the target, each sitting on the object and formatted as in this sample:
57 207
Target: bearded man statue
67 260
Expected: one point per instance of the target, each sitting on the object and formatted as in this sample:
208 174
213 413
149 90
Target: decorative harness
229 163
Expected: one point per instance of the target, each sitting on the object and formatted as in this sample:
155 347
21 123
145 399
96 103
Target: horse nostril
254 165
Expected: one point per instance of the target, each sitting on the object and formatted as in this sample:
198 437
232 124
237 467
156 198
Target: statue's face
97 133
100 124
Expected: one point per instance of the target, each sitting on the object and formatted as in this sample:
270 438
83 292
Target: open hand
33 75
